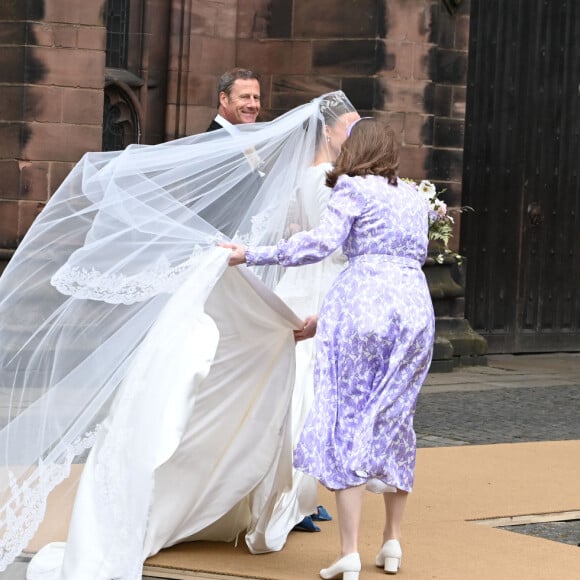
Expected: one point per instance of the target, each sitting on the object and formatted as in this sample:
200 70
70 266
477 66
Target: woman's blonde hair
371 149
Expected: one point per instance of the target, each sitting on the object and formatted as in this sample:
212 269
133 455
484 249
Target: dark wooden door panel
522 152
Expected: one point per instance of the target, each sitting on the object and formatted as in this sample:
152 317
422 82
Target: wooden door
521 166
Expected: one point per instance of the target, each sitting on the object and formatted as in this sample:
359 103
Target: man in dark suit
238 99
238 103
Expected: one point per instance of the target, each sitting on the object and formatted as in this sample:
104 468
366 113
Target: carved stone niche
122 115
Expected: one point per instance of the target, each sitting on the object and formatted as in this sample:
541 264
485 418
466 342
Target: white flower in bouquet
427 189
440 220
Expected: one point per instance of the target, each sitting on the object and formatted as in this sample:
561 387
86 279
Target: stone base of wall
456 343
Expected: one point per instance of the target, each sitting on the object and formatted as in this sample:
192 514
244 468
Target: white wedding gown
304 289
205 459
125 332
211 457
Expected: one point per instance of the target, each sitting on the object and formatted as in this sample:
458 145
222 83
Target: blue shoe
306 525
322 515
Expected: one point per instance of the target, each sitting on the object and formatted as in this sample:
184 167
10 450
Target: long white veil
118 279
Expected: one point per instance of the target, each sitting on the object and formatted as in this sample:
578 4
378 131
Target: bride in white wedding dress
124 332
303 289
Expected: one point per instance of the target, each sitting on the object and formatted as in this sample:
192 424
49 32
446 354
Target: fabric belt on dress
376 258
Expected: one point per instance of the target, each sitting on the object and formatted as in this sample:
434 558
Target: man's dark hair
230 77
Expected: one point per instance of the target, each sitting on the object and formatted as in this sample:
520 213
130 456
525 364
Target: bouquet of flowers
440 220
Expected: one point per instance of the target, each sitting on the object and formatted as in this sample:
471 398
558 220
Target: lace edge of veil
119 288
22 515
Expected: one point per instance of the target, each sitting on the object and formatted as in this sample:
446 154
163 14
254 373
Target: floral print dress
375 333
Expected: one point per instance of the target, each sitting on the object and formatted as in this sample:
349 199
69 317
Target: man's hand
308 330
238 255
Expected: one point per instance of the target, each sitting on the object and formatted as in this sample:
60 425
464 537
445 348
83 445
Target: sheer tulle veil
97 271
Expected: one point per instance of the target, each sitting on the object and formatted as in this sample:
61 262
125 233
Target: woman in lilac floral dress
374 337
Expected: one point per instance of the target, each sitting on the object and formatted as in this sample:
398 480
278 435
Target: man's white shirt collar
222 121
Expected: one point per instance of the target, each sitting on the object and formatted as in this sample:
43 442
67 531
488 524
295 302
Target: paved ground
565 532
513 399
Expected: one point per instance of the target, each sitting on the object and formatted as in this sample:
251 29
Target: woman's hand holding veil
238 255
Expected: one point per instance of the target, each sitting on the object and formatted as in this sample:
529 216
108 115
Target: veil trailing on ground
118 293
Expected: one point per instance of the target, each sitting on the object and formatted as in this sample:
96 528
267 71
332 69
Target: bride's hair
371 149
331 112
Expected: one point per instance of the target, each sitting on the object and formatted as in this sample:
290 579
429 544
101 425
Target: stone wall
51 102
422 88
403 59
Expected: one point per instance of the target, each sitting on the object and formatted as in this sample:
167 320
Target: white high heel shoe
349 566
390 556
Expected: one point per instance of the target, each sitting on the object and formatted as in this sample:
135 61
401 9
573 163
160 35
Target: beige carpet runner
445 539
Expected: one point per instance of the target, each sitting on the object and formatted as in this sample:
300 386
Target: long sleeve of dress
344 206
